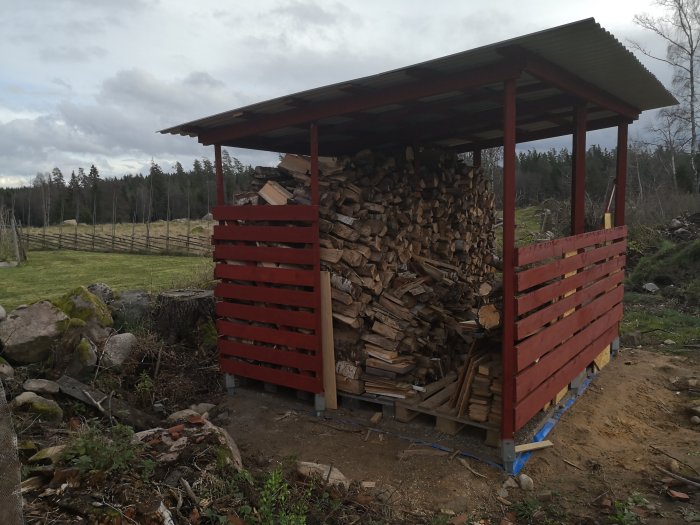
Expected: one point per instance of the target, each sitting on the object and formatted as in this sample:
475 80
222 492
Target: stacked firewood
485 395
409 244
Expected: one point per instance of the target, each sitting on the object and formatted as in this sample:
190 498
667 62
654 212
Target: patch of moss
84 351
207 335
82 305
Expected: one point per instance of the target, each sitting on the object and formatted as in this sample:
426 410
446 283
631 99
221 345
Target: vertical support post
578 172
621 175
313 132
320 398
476 158
507 349
220 197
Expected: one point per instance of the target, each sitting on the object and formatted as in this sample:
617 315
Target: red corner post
220 197
578 172
507 350
621 176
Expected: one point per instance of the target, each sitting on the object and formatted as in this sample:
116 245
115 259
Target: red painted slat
549 292
536 320
539 344
528 278
558 247
278 316
266 213
267 335
265 275
296 234
549 388
265 294
264 254
269 355
274 376
530 378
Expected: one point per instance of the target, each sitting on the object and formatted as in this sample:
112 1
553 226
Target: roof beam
561 79
468 79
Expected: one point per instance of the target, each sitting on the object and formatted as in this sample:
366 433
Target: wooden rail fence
101 242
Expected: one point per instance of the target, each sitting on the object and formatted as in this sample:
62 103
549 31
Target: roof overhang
454 101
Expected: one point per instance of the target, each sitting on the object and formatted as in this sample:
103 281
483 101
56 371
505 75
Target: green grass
50 274
527 226
658 319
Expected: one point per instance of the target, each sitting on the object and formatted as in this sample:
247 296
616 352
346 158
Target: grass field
50 274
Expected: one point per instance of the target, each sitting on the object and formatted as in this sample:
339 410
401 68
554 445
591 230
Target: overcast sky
90 81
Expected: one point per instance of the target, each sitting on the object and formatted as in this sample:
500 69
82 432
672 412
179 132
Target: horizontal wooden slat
295 234
266 275
264 254
528 278
270 355
268 335
530 378
547 293
278 316
536 320
274 376
558 247
549 388
266 294
266 213
539 344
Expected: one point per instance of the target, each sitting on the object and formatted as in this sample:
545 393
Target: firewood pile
409 246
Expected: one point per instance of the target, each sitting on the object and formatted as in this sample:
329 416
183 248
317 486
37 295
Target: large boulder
103 291
82 361
6 370
117 349
3 313
131 309
29 333
88 313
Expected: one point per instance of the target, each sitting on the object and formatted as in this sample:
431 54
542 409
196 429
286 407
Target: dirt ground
601 468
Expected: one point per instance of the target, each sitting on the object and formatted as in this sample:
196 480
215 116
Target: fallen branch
679 478
679 460
466 464
189 491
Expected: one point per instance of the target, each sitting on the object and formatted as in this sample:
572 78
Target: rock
84 307
669 342
6 371
70 222
677 496
502 492
510 483
326 472
650 287
695 420
181 415
694 410
526 482
83 359
118 348
632 339
46 408
202 408
49 455
675 224
103 291
208 217
683 233
29 334
41 386
545 496
674 466
3 313
131 309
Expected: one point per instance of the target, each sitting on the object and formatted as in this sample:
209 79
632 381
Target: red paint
507 351
265 294
578 172
261 314
621 175
537 320
264 254
558 247
262 334
265 275
536 346
275 376
293 234
285 212
550 292
267 354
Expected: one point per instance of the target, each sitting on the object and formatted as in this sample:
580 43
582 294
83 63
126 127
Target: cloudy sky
91 81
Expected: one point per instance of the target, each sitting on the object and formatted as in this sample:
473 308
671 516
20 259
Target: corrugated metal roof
583 49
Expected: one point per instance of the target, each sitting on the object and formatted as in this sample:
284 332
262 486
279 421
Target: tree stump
178 314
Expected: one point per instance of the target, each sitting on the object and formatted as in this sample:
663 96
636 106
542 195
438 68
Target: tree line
158 195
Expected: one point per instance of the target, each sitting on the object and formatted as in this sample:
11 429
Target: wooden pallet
383 403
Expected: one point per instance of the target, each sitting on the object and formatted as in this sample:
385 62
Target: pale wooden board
528 447
603 358
328 349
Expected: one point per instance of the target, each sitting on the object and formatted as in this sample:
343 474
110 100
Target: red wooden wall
568 304
268 300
